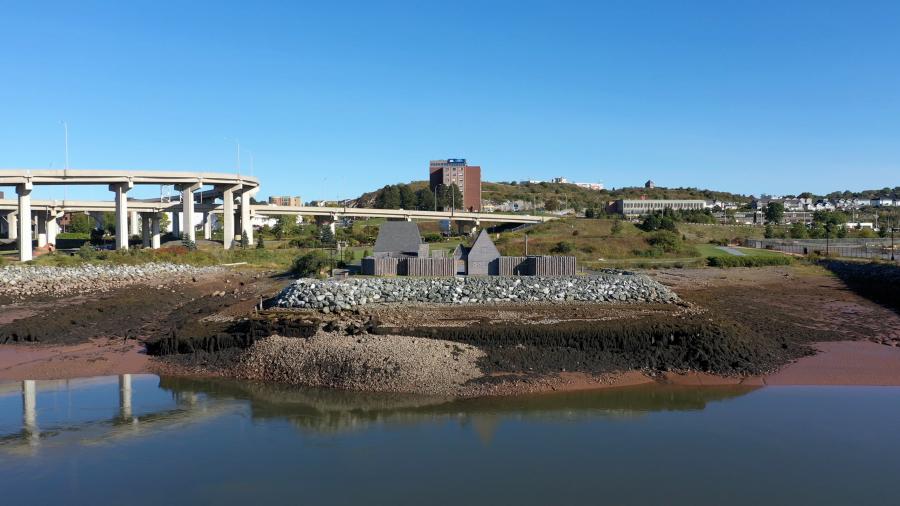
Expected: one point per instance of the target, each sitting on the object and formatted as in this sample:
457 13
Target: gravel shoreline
338 295
381 363
18 282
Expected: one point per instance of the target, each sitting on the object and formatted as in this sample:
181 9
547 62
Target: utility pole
893 258
526 243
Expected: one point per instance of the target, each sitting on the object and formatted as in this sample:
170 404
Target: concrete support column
154 231
24 193
132 223
41 229
12 225
145 230
207 226
52 227
246 224
187 208
176 225
228 218
121 191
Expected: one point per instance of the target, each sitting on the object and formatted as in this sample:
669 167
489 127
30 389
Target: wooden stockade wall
382 266
428 267
537 266
514 266
552 266
425 267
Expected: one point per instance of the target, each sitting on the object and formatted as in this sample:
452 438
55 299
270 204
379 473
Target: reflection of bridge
234 192
188 408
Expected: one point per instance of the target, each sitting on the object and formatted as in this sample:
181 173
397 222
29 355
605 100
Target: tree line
402 196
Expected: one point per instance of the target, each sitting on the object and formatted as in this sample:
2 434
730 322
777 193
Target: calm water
150 440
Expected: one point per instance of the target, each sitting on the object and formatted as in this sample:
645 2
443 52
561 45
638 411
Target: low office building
632 208
284 200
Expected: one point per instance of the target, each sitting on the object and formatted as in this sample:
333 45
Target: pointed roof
398 237
483 248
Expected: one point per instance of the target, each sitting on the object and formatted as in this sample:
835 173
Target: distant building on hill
650 184
284 200
632 208
456 171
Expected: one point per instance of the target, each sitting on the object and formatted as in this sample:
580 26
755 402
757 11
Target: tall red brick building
456 171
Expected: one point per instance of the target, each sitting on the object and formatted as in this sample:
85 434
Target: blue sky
336 98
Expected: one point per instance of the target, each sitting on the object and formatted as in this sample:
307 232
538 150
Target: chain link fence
880 249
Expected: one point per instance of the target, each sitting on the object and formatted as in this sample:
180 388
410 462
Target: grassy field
595 243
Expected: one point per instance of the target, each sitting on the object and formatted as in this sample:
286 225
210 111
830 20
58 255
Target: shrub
87 252
562 247
748 261
665 241
311 264
432 237
96 236
616 227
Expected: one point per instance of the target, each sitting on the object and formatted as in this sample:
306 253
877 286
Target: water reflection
84 415
75 411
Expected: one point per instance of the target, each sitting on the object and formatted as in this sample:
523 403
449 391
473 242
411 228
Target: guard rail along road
206 193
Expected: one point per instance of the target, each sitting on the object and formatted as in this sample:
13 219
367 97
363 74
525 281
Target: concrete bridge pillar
246 223
207 226
12 225
41 229
24 193
176 224
121 191
145 230
154 231
228 217
53 226
132 223
187 209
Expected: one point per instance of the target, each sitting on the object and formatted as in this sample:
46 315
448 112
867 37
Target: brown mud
736 326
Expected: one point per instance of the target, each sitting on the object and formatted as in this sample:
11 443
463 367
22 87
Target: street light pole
893 258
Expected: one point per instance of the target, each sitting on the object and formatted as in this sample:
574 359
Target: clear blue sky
335 98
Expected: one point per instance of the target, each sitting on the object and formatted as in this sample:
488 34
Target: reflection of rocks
329 411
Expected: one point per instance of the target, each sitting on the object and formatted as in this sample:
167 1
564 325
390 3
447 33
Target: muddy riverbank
732 326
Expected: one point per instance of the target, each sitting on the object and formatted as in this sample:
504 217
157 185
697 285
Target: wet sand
97 357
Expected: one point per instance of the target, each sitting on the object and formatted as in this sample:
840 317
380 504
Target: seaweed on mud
653 343
241 335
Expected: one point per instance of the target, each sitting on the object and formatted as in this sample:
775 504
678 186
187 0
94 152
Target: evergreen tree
424 200
388 198
407 197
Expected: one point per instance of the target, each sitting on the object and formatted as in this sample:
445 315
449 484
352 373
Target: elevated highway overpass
199 193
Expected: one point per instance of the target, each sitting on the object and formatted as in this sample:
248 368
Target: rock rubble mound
346 294
24 281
